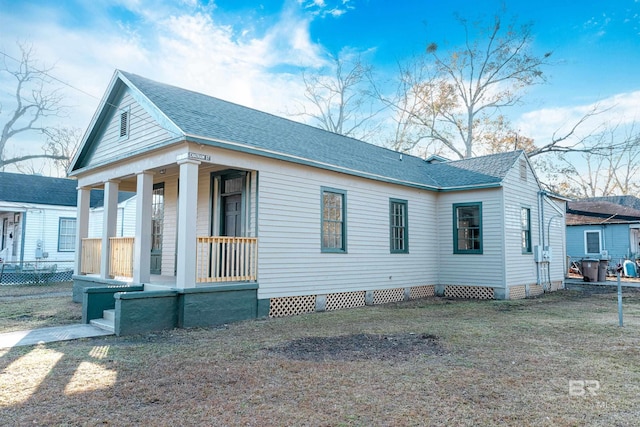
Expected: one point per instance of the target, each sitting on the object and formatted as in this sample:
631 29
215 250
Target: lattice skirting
345 300
517 292
422 292
291 306
468 292
382 296
535 290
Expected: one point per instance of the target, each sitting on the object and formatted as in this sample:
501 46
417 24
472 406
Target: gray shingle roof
590 211
46 190
208 120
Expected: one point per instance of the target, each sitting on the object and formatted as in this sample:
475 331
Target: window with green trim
334 221
399 226
66 235
467 228
525 224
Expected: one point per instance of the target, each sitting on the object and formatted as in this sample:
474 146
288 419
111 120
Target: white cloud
179 45
618 110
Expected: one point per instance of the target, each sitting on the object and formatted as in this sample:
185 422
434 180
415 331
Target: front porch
194 243
218 259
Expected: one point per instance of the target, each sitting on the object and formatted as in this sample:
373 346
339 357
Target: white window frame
586 247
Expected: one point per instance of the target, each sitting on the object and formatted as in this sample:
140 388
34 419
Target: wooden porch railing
121 260
219 259
91 253
227 259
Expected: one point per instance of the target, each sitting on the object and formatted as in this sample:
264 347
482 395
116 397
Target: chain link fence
35 272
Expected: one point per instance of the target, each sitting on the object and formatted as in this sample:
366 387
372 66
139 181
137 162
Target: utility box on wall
542 253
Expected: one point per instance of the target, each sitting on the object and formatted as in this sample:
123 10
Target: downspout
540 234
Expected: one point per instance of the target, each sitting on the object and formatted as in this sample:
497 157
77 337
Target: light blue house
602 230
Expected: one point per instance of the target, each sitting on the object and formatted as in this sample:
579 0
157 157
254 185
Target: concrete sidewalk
53 334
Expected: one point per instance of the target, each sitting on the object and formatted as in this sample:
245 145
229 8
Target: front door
157 228
231 216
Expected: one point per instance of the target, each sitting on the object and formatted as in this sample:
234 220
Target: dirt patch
360 347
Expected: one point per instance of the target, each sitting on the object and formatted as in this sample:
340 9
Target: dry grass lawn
425 362
21 306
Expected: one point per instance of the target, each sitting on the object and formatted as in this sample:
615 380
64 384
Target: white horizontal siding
289 218
520 193
43 224
486 269
125 222
144 131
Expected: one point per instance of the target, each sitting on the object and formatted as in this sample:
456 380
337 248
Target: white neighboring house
38 221
255 215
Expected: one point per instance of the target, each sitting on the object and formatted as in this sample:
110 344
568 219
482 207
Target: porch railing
121 260
219 259
91 253
227 259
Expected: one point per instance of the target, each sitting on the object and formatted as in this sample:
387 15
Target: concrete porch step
109 314
107 322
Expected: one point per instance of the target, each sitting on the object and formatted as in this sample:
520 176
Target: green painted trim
126 156
146 314
97 299
526 251
342 193
404 203
215 308
114 289
264 306
219 288
144 294
455 228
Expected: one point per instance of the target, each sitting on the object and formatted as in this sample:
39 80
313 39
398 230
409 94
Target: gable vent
124 124
523 169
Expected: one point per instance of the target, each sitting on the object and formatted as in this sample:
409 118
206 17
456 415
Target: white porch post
142 242
109 223
187 216
82 225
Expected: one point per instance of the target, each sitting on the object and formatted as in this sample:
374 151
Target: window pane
333 220
468 231
593 242
525 215
67 235
398 226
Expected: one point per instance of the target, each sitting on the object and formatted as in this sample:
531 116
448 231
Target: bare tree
340 98
61 144
33 101
456 97
608 164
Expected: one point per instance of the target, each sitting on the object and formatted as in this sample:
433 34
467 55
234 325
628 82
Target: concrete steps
107 322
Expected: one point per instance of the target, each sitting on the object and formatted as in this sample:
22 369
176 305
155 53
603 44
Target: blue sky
253 52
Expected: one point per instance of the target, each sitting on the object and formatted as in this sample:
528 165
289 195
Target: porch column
109 223
142 242
187 217
82 225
